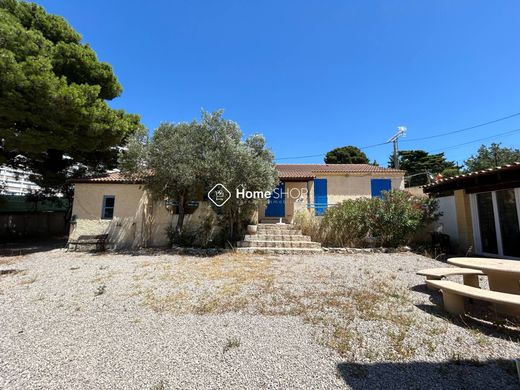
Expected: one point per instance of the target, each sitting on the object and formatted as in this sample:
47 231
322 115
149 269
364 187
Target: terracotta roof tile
294 171
111 177
508 167
285 171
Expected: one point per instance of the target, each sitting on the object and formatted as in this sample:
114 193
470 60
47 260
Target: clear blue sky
314 75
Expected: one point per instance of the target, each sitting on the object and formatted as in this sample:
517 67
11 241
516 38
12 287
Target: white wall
447 223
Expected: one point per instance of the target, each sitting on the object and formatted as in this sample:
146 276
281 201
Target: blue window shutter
380 185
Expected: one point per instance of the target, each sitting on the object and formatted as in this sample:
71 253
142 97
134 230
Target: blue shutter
380 185
320 196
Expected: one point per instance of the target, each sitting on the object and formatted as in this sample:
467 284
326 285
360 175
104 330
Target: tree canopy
491 156
185 160
419 164
53 92
346 155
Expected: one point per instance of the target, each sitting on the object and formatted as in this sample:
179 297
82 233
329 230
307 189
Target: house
481 210
119 206
318 186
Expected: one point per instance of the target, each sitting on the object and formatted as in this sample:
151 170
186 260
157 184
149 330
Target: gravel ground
154 320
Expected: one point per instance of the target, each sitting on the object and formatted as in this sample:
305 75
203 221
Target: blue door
380 185
320 196
276 203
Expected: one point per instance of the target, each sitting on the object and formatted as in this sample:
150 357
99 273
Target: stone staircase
278 238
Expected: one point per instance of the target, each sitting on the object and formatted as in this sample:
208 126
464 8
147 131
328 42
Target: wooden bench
453 296
470 276
99 240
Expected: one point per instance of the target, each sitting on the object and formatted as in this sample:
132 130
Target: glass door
497 223
508 221
486 218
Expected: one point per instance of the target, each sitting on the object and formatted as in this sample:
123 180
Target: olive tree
181 161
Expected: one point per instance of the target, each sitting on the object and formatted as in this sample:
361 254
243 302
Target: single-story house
120 207
481 210
318 186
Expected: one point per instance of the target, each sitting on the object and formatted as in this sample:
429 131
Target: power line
424 138
323 154
461 130
507 133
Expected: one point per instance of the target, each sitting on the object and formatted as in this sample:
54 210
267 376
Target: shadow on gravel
195 252
452 374
28 246
480 317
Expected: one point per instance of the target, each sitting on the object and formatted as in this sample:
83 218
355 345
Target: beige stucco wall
339 188
464 220
128 212
137 221
343 187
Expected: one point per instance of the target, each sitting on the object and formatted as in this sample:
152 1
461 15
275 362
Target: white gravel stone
59 331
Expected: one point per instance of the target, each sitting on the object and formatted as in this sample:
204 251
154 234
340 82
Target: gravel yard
153 320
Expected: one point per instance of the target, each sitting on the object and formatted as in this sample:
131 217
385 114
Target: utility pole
401 131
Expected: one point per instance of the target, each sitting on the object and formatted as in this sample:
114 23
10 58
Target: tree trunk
180 220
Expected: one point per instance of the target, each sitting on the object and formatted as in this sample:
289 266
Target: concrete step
272 220
279 244
276 237
277 226
281 251
278 229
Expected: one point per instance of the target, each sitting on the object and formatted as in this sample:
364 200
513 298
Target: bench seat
470 275
98 240
453 296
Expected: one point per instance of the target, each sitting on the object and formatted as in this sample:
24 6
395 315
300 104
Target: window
508 220
496 222
486 217
107 212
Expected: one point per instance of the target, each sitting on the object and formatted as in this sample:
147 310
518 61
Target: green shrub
396 216
346 224
391 220
201 237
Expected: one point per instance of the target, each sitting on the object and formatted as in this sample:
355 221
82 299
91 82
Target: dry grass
257 285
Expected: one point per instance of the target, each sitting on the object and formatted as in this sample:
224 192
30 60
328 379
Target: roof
285 171
309 171
503 175
110 177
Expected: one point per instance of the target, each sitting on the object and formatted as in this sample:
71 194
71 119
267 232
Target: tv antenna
401 132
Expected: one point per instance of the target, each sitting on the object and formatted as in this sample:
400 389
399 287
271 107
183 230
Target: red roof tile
285 171
112 177
295 171
509 167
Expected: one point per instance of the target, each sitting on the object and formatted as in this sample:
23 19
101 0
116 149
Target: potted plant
252 227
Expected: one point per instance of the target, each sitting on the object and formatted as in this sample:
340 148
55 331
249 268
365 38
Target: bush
346 225
398 215
391 220
308 224
201 237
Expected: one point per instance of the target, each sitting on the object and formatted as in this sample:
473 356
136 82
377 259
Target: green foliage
395 217
346 225
491 156
421 163
390 221
52 98
449 172
185 160
200 236
346 155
